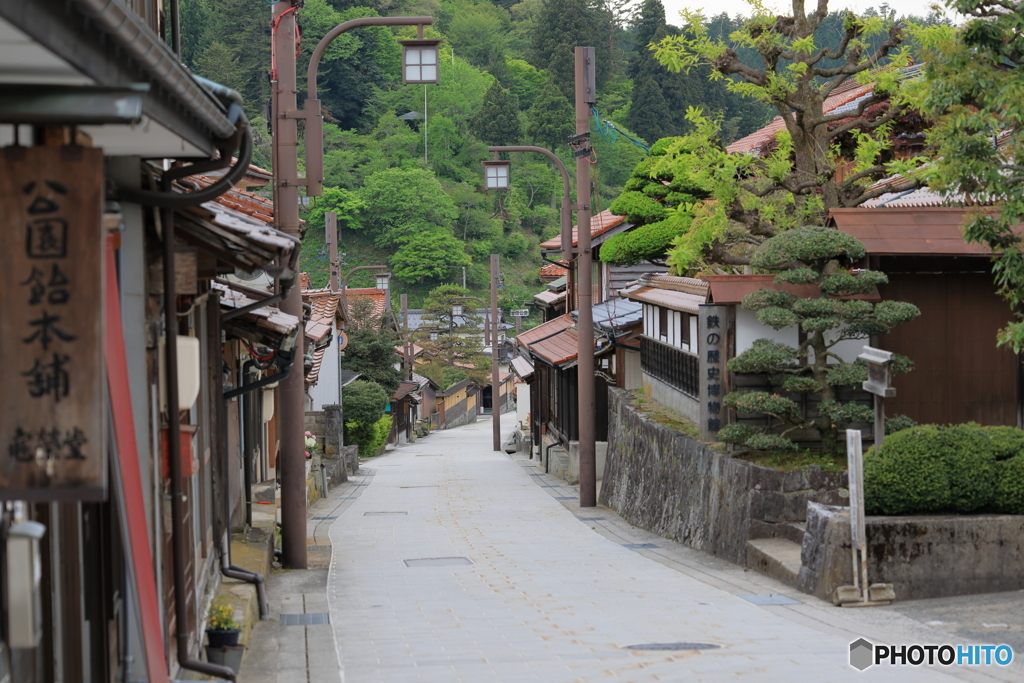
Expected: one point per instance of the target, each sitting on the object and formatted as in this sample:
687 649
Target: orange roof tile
599 224
253 205
321 322
559 349
379 297
551 271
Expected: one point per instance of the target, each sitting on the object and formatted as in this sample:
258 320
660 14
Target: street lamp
496 173
419 59
286 114
585 390
383 282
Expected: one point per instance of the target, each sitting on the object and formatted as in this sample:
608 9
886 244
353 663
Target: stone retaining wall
927 556
673 485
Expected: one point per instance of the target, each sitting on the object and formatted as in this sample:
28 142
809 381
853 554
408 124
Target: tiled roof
921 197
522 367
731 289
559 349
529 337
551 272
615 315
669 291
321 322
379 297
252 205
417 350
550 298
599 224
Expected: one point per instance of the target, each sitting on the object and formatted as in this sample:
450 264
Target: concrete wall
671 398
927 556
675 486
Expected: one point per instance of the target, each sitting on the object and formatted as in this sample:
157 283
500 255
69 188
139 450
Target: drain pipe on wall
181 620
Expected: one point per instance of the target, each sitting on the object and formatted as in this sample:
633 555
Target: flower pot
228 655
217 639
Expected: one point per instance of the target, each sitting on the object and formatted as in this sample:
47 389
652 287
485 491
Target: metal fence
673 366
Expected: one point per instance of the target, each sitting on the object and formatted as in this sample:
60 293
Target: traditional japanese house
160 394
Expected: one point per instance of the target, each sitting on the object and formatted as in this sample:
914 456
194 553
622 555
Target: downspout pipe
181 621
226 568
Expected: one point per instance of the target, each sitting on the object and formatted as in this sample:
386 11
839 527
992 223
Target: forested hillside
402 163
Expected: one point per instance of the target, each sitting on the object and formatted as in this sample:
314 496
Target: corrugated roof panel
731 289
931 231
559 349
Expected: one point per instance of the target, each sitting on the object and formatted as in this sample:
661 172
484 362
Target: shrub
962 468
906 476
1009 493
369 436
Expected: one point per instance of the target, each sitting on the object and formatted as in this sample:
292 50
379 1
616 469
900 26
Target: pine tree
497 122
649 114
563 26
551 119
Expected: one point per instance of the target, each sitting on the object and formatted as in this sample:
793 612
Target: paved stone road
547 593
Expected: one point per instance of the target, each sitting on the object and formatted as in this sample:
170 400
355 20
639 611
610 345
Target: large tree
550 121
819 160
975 85
497 122
401 203
562 26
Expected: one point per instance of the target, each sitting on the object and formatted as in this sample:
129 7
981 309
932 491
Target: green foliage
430 256
402 203
1009 493
561 26
497 122
645 243
221 617
962 468
370 437
363 401
550 121
974 87
898 423
637 207
371 352
812 367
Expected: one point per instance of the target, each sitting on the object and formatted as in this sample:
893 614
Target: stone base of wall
468 417
927 556
673 485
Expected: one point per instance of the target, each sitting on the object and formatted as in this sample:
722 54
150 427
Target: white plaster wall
325 391
749 329
523 405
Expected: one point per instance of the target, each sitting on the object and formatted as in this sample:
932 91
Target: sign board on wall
52 424
712 348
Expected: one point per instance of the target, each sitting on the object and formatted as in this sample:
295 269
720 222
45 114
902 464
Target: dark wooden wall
960 375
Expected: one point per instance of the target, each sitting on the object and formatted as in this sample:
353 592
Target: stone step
778 558
793 531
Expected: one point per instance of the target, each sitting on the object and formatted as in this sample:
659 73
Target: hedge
959 468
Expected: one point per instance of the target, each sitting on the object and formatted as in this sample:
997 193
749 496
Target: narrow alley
450 562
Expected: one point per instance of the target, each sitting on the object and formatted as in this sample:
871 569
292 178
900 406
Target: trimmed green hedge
960 468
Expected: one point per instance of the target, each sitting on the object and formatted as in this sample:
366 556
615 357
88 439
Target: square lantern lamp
420 60
384 281
496 174
433 336
456 310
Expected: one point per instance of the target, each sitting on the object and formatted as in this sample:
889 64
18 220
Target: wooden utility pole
585 96
495 350
286 219
331 223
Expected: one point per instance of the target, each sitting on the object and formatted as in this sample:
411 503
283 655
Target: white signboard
855 464
520 312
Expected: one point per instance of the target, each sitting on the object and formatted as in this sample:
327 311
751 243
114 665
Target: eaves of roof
544 330
599 224
731 289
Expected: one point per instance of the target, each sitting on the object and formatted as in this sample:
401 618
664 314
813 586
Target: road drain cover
382 514
672 646
317 619
437 561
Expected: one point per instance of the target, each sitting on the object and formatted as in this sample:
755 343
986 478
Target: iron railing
671 365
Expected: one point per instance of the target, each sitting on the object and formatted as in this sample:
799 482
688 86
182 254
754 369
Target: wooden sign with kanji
52 390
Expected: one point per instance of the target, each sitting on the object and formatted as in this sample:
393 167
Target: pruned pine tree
812 367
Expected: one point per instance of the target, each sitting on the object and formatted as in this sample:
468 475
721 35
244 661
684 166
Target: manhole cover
437 561
771 599
639 546
382 514
672 646
305 619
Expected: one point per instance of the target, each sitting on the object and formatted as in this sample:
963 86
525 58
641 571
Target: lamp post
286 114
491 323
497 177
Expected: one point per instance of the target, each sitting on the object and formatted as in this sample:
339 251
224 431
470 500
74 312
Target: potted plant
221 628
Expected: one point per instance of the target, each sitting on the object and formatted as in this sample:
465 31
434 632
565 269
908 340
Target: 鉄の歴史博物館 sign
52 417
